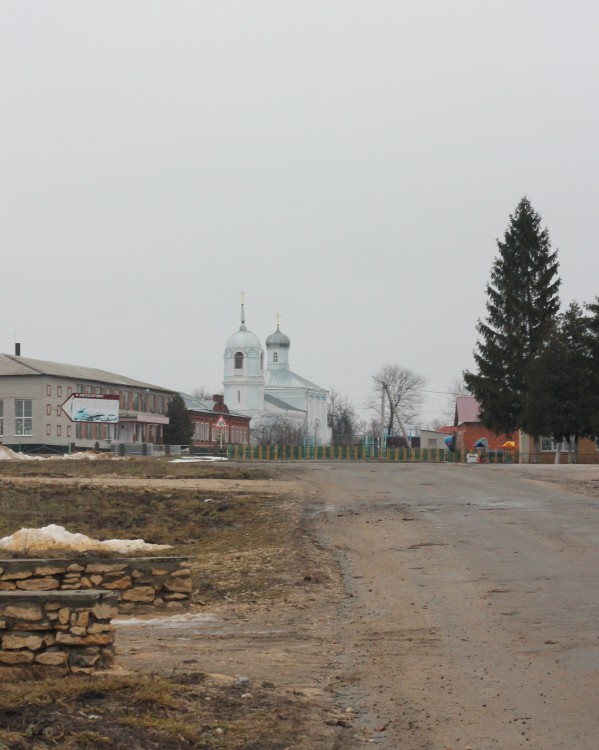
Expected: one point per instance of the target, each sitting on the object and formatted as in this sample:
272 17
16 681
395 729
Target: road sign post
221 426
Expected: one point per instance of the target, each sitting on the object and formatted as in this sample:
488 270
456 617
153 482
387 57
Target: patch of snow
6 454
57 538
195 460
169 621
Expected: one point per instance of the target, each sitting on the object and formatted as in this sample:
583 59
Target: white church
264 393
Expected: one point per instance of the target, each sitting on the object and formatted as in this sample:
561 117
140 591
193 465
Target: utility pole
382 420
395 413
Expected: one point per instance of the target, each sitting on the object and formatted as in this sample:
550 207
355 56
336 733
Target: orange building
469 429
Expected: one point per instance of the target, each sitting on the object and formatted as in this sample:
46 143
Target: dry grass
243 548
145 712
236 541
151 468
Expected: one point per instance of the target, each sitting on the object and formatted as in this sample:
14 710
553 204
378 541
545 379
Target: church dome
278 340
242 340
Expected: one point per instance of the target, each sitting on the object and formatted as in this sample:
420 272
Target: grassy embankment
241 545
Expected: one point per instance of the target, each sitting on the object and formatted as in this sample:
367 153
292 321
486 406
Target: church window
239 361
238 396
262 361
275 357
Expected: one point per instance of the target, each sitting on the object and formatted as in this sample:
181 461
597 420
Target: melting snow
57 538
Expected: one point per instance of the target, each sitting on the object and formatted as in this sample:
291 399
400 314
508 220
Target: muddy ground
404 607
435 608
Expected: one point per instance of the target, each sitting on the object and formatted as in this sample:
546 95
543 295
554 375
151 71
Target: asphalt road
471 609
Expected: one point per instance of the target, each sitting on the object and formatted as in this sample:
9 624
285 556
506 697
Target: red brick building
469 429
206 414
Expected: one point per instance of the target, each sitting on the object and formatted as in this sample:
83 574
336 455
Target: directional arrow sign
221 424
92 407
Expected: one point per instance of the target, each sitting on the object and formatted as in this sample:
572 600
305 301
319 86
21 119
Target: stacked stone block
141 583
68 629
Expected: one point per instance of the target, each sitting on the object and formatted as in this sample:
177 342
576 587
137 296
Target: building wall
244 387
52 427
206 435
588 452
312 410
318 417
469 432
433 439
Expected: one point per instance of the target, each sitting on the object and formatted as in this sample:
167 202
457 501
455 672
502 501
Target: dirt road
472 615
460 609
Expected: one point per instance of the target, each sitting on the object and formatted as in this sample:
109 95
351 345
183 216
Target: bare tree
457 387
400 390
342 418
279 430
202 393
435 424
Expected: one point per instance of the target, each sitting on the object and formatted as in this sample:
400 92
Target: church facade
266 389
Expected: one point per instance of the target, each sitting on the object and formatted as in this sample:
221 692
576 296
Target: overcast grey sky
348 164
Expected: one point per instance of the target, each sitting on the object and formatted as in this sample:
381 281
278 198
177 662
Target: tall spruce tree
593 333
179 429
560 398
522 302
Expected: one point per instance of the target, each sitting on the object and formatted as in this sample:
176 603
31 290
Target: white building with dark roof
33 392
267 390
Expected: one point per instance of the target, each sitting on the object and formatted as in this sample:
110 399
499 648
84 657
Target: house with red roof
469 429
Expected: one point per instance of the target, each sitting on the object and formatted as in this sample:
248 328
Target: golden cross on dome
242 297
278 318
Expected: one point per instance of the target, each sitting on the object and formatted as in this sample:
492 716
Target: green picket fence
360 453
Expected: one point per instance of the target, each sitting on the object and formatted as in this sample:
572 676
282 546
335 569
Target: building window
58 430
48 410
275 357
262 361
548 444
79 430
239 361
48 429
68 430
69 390
59 391
238 396
48 390
58 411
23 416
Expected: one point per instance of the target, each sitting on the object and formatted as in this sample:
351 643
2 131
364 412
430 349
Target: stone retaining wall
142 583
68 629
